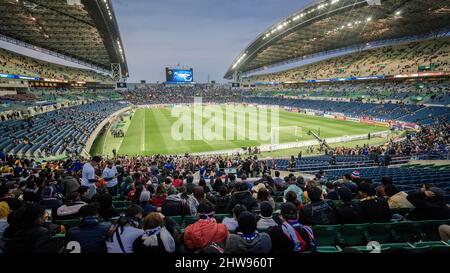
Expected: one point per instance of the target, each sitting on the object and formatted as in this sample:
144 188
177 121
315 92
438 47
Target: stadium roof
84 31
334 24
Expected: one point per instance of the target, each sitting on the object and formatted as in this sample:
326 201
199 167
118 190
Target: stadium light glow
398 12
369 19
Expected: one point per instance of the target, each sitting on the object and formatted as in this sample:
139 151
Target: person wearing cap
144 201
266 219
429 204
243 196
318 212
355 177
205 230
291 236
375 209
248 240
348 213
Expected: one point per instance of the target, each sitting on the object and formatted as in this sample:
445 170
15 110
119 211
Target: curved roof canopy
84 31
334 24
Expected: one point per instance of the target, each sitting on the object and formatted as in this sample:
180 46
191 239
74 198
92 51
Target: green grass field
149 132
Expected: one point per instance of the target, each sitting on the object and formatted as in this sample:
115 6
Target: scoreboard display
179 75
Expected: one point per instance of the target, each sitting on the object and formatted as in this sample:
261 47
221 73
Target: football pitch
149 132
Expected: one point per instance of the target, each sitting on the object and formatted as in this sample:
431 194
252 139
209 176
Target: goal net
286 134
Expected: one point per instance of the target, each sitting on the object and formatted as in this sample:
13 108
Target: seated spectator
242 196
429 204
177 182
293 187
205 230
70 209
49 200
160 196
90 234
397 199
348 213
106 209
27 233
125 231
266 219
292 197
347 182
84 194
375 209
190 183
332 194
279 182
291 236
218 184
170 188
385 180
190 201
248 240
202 183
231 222
4 212
144 201
69 183
220 200
175 205
156 237
318 212
263 195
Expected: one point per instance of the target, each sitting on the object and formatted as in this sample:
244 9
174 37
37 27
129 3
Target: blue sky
204 34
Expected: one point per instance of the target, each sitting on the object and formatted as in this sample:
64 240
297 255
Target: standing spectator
88 177
110 175
248 240
205 230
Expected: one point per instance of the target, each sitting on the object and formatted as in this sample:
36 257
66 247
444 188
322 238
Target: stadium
330 133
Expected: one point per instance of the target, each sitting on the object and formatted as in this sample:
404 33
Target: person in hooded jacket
429 204
220 200
205 230
248 240
242 196
174 205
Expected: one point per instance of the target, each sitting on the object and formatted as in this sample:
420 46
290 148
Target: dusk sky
204 34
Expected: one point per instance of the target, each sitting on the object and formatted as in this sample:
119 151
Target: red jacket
158 201
203 232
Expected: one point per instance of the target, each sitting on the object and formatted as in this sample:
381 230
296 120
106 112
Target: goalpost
286 131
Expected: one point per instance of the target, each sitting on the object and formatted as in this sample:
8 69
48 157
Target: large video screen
179 75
